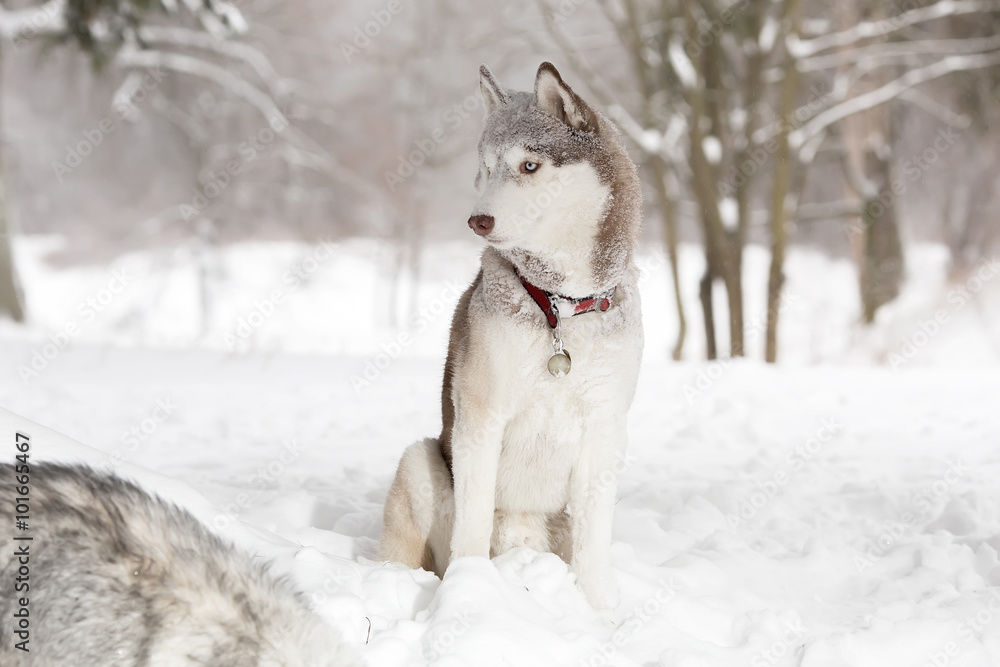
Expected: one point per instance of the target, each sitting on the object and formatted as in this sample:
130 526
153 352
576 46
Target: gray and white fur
525 458
119 578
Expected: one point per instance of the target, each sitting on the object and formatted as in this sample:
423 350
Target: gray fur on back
118 577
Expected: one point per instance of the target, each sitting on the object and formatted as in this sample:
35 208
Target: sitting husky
113 577
544 349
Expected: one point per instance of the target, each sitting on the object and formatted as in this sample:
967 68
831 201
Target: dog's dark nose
481 224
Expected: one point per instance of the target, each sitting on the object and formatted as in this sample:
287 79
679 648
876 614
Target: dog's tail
419 510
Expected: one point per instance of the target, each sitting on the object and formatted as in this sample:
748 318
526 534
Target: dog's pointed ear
493 93
555 98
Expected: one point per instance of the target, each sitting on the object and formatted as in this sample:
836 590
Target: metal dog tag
560 363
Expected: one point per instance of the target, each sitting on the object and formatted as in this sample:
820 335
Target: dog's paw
601 592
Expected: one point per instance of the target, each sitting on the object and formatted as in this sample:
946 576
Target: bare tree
199 44
11 296
971 207
745 87
867 53
783 200
11 299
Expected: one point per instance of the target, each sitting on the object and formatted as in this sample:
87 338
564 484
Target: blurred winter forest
853 129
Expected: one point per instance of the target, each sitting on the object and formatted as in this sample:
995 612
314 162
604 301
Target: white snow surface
815 517
835 510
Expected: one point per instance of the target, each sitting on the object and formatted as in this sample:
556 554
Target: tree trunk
705 293
731 269
876 240
882 264
11 300
10 289
780 193
867 140
645 76
970 231
729 252
723 251
669 218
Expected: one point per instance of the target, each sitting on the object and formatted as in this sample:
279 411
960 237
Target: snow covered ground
352 299
835 510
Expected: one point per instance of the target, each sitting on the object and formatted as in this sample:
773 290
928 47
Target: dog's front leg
591 508
476 453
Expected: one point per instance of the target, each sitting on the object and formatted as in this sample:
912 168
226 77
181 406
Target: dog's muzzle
481 224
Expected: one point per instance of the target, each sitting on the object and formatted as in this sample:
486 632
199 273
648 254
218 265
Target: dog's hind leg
561 535
419 510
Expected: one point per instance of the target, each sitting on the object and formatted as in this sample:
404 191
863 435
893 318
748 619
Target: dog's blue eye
529 167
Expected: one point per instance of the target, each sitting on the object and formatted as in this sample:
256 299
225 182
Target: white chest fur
545 419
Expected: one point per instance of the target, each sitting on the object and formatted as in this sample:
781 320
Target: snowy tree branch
46 20
317 159
252 57
935 108
895 50
865 29
185 64
889 91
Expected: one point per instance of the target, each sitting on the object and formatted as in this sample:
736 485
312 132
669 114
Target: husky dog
114 577
534 400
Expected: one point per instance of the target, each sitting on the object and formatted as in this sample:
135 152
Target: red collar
549 302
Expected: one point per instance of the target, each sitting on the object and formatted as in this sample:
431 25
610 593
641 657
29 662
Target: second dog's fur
116 578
